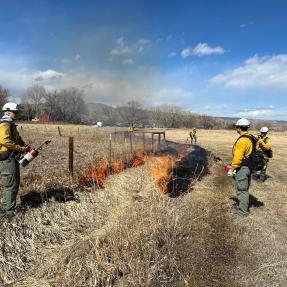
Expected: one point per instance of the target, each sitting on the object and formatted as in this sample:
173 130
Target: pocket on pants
9 166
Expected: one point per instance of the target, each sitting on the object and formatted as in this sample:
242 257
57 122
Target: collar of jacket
244 133
6 118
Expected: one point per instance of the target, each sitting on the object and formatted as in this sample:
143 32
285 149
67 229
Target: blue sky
223 58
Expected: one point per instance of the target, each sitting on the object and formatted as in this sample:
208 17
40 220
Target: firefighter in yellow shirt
263 147
238 167
131 129
192 135
11 144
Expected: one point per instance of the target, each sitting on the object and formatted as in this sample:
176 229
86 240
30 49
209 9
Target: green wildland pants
242 184
10 176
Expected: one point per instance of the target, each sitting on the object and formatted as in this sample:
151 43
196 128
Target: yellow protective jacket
241 150
263 144
131 129
10 140
192 134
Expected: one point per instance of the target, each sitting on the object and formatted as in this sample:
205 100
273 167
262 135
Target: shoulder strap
249 136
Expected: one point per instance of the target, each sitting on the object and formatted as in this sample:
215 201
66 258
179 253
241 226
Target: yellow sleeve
5 139
242 149
265 146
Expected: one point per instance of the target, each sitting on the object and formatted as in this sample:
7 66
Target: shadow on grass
35 199
253 201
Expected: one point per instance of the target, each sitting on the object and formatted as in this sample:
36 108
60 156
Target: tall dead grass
129 234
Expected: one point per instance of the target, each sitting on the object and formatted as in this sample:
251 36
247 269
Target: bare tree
132 113
4 95
67 105
33 100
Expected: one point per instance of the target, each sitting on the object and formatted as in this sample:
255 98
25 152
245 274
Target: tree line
69 106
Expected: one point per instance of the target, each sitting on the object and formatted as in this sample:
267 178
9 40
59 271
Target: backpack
255 160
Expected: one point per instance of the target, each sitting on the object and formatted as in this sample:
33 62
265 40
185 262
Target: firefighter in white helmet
11 144
263 147
238 169
192 135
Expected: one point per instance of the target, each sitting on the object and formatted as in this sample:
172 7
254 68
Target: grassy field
129 233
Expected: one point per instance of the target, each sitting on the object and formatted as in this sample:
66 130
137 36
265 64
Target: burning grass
96 172
161 168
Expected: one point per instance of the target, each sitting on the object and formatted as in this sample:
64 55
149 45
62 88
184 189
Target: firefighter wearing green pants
192 135
238 169
11 144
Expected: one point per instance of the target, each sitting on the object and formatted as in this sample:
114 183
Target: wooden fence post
143 141
71 155
59 131
110 152
131 143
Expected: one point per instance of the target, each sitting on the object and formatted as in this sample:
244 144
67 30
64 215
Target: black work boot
262 178
236 210
255 176
2 214
10 216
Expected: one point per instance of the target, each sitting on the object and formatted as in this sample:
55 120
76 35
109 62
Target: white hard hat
264 130
194 128
10 107
243 123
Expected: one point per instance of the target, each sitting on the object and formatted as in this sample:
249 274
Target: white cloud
121 48
257 72
128 62
202 49
244 25
75 58
172 54
140 45
46 75
111 87
256 113
186 53
142 42
218 107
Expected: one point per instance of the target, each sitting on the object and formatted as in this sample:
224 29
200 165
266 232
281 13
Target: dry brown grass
129 234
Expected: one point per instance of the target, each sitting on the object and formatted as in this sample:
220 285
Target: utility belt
8 154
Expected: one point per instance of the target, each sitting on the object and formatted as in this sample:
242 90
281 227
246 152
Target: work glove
230 171
27 148
24 149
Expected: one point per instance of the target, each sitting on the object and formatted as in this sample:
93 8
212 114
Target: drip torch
24 160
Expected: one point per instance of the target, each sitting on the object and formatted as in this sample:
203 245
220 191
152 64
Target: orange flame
137 160
161 169
118 166
100 174
97 173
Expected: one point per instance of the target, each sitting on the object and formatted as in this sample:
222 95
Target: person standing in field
131 129
238 168
11 144
263 147
192 135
